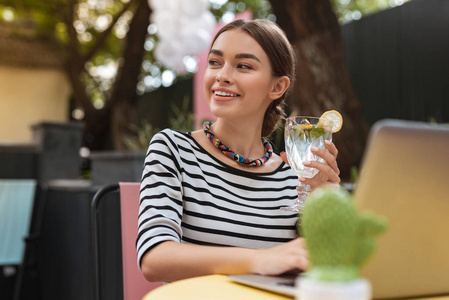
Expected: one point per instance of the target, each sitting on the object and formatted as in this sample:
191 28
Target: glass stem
303 192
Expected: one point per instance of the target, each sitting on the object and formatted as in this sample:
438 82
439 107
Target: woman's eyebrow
240 55
247 55
216 52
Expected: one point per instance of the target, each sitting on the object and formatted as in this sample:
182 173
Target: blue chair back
16 205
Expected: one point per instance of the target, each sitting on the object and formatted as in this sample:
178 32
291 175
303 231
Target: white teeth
219 93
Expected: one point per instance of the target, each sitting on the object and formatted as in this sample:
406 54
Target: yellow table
213 287
218 287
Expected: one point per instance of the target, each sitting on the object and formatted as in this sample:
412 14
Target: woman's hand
328 170
288 257
170 261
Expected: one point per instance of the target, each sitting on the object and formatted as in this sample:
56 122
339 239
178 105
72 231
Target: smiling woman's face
238 77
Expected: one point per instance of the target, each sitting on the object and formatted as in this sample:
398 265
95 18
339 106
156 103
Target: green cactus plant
339 238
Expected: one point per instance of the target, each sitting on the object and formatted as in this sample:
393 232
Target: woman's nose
224 75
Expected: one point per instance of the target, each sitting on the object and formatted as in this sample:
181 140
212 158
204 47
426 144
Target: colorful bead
234 156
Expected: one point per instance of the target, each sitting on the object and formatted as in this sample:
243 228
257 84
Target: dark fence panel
399 61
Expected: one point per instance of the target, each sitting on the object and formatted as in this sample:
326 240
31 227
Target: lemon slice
335 117
306 126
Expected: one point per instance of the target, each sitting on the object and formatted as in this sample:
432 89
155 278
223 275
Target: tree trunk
96 133
322 77
105 128
124 97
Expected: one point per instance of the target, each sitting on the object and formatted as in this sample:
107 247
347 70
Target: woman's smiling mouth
224 95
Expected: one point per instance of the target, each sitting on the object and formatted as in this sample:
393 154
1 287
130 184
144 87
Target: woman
206 209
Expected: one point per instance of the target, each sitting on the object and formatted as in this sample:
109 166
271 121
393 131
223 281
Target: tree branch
101 38
133 53
67 16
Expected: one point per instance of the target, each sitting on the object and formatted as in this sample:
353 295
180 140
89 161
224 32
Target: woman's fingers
326 172
331 148
329 157
280 259
334 152
284 157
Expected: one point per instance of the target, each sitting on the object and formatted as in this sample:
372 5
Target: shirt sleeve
160 210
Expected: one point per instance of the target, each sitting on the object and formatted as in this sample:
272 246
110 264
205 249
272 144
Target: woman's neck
244 137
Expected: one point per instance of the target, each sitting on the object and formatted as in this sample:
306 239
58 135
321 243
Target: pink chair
135 286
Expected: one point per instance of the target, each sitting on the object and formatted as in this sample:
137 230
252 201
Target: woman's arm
170 261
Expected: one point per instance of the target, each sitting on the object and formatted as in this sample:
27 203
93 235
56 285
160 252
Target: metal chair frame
96 200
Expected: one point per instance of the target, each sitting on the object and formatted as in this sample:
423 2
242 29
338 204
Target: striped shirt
189 196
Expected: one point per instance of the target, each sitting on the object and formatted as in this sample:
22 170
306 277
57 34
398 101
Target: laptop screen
405 178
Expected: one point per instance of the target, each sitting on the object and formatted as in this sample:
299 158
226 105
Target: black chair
132 283
107 284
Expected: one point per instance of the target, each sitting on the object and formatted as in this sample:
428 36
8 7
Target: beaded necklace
234 156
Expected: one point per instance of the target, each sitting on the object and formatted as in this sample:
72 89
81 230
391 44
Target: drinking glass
301 133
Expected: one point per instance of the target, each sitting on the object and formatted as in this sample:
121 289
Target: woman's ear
280 86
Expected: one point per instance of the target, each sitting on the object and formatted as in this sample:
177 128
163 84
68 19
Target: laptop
282 284
405 178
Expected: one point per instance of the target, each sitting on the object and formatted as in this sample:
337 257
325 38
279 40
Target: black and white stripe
189 196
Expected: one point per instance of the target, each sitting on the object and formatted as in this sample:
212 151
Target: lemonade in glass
301 133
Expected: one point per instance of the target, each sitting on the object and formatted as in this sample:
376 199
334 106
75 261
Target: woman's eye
213 62
244 66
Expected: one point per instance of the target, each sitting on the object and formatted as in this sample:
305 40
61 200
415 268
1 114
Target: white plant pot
311 289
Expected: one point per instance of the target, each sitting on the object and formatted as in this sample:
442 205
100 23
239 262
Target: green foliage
52 20
339 239
261 8
181 119
144 134
354 175
277 138
348 10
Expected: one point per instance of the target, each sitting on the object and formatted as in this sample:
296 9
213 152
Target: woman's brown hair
282 58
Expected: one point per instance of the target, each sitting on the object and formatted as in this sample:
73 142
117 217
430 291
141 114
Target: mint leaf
298 131
316 132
